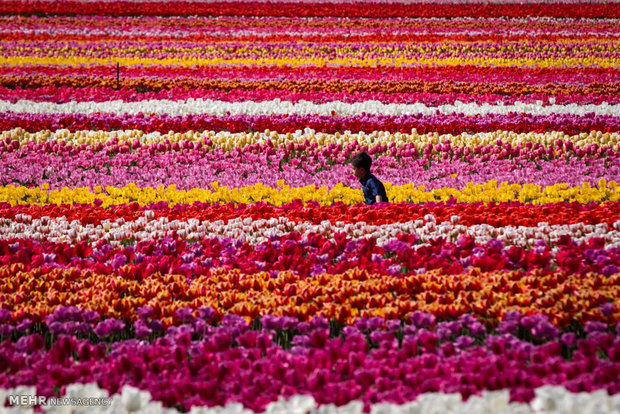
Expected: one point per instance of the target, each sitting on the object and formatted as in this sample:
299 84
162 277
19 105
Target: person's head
361 164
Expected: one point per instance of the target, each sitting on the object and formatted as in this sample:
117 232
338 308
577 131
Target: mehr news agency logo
27 400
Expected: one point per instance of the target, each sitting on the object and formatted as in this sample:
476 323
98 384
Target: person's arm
374 190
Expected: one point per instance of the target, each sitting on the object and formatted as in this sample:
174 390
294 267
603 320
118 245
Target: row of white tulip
548 400
276 106
258 231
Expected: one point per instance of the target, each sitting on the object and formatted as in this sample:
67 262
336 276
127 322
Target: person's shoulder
375 179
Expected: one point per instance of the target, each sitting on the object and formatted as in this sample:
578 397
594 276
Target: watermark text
34 400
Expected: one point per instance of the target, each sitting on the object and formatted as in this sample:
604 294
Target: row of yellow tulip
491 191
396 61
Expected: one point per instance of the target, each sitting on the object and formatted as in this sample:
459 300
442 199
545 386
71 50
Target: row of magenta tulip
494 214
314 253
445 84
368 9
477 80
502 80
91 91
434 168
443 124
372 360
564 297
312 152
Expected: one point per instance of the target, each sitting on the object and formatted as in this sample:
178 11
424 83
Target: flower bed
373 360
189 237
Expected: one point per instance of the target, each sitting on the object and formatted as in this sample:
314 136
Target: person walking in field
374 190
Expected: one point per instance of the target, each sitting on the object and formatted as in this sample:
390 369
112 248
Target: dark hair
362 160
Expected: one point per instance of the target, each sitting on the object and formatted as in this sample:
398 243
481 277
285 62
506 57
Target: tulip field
181 230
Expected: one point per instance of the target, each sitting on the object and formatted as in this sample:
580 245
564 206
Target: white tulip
134 399
302 107
143 229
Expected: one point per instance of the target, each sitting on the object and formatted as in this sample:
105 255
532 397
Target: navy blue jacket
372 187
